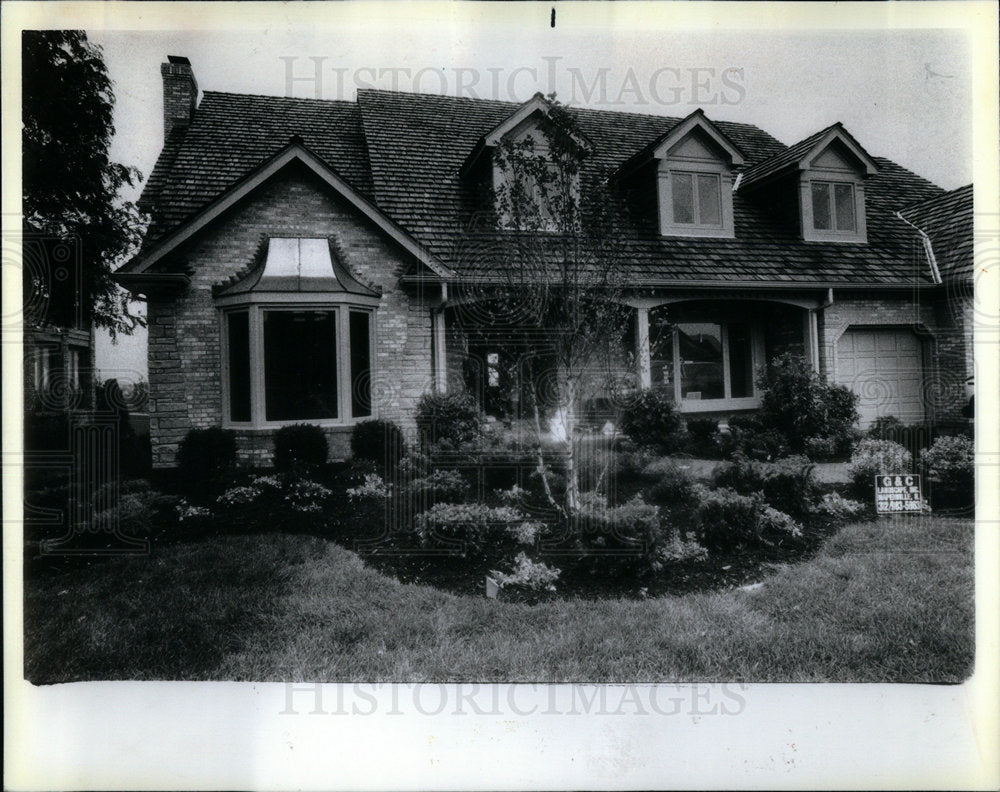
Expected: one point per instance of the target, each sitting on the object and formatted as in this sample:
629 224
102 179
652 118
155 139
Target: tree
553 274
76 225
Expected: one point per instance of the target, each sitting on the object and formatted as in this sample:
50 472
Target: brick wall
935 320
185 352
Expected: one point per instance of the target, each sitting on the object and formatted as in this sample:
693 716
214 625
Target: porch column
438 344
812 330
642 347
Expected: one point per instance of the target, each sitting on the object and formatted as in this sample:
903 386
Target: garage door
885 368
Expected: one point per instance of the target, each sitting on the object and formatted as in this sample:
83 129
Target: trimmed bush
449 420
798 404
951 466
872 458
728 520
619 540
281 502
485 534
673 486
787 484
748 436
380 442
653 421
300 448
441 486
206 460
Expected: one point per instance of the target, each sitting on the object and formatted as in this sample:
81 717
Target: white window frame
256 305
665 178
727 402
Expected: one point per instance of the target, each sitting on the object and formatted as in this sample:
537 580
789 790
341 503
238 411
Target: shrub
486 534
701 437
281 502
448 419
441 486
872 458
380 442
300 448
527 577
776 527
681 549
673 486
787 484
620 539
885 427
206 459
748 436
798 404
653 421
839 508
950 464
728 520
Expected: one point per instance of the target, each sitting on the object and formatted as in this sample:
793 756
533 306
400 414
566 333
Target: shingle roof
947 220
404 152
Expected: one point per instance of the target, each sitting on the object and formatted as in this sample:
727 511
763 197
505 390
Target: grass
890 601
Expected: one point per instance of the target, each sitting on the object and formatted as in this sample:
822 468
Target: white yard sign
898 493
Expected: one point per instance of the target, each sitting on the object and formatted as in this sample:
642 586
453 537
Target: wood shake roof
404 153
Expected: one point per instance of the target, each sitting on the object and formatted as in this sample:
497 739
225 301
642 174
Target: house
944 225
307 260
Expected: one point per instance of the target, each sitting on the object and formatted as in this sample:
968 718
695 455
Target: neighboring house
58 339
306 260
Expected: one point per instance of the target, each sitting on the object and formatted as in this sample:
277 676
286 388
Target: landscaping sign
898 493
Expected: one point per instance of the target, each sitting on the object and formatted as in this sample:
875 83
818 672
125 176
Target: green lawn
887 601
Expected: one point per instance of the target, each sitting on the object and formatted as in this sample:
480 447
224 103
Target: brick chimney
180 93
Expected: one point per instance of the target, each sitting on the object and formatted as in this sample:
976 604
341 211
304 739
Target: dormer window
696 199
833 207
831 168
532 162
695 165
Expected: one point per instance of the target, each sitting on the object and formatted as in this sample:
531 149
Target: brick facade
936 320
185 345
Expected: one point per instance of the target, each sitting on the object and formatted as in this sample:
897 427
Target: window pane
238 335
843 195
683 192
709 212
361 361
740 361
822 220
300 365
701 360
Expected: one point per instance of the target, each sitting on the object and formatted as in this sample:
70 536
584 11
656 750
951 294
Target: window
292 363
696 199
707 365
833 206
696 202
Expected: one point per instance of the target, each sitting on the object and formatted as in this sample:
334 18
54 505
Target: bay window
294 363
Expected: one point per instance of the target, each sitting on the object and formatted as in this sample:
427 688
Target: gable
696 146
836 157
295 153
